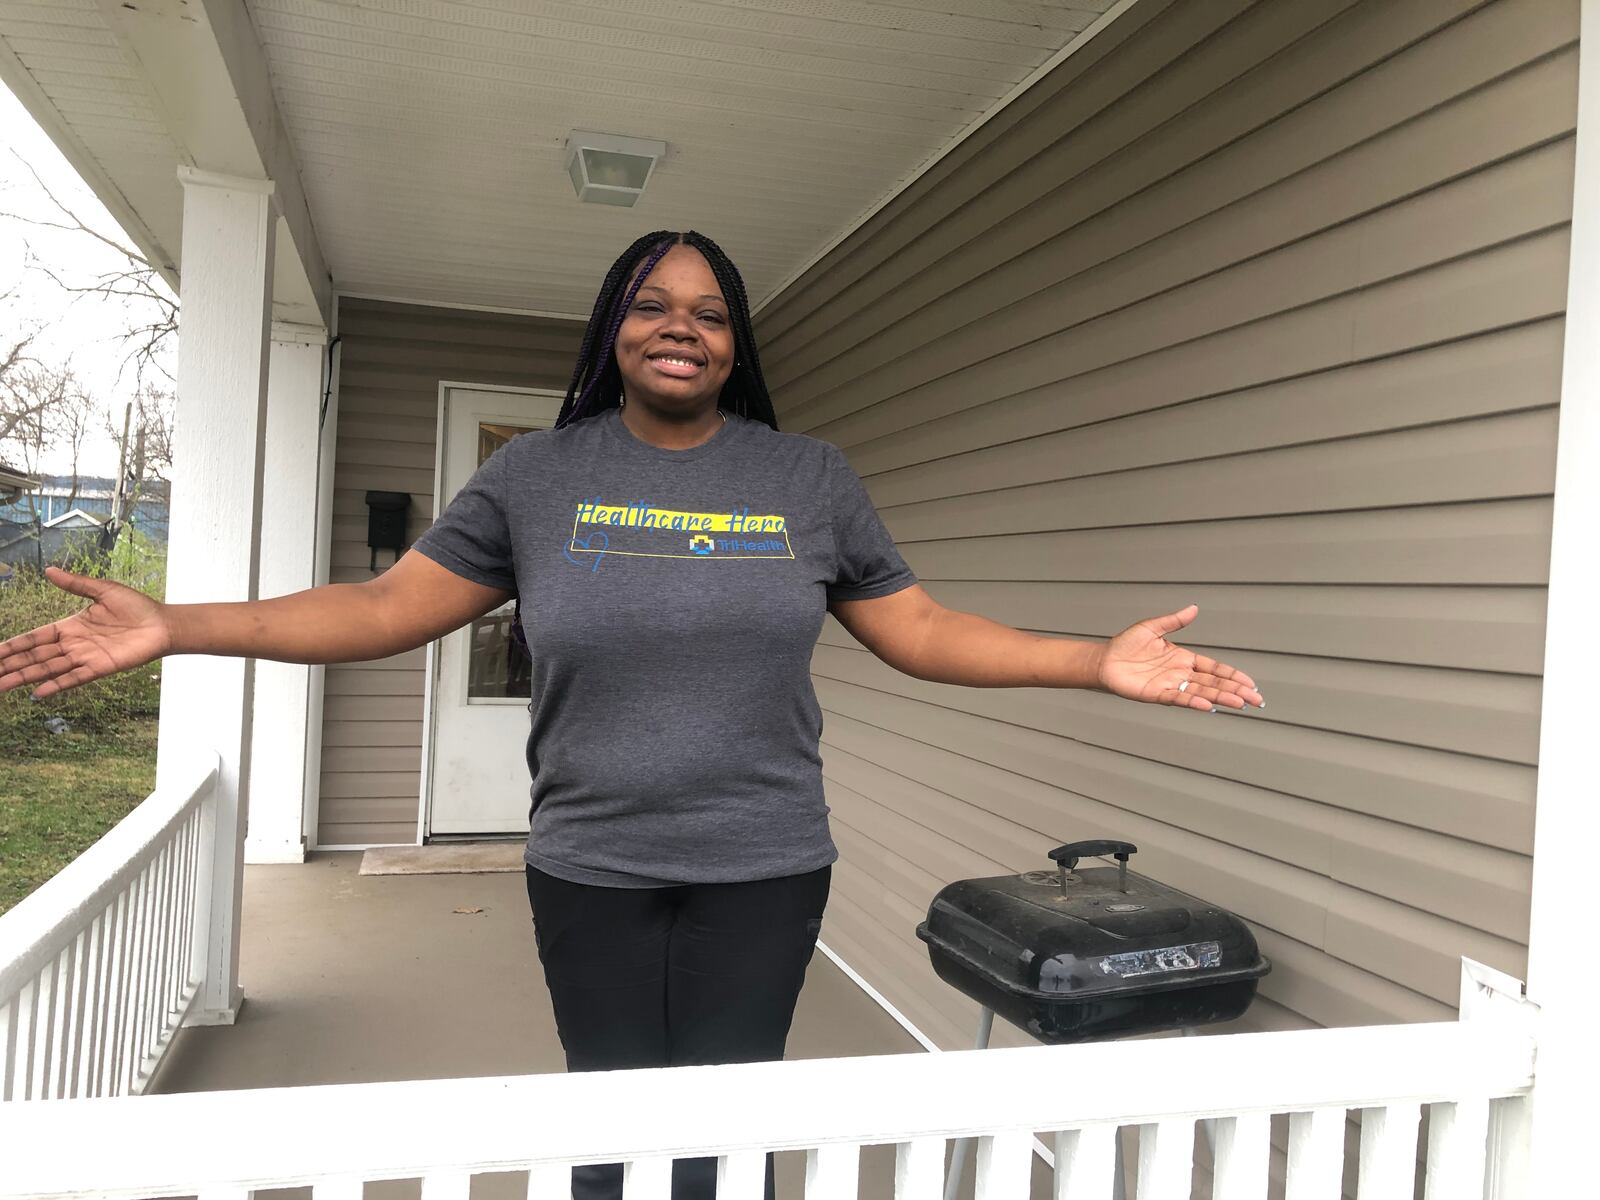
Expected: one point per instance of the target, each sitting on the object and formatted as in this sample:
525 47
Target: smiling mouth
677 365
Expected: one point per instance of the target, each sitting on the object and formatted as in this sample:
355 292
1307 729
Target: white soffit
430 133
67 68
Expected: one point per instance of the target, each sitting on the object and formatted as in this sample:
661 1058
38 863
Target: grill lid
1088 932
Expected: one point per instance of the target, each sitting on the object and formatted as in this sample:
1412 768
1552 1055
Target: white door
477 776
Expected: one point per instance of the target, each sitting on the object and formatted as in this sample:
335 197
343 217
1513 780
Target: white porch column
288 561
1563 972
214 542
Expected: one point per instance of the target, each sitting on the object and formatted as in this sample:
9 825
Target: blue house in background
54 498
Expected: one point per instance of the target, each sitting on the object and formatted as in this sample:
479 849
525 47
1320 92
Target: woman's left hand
1140 664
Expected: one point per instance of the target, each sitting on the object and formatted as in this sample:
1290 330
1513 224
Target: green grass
60 792
59 799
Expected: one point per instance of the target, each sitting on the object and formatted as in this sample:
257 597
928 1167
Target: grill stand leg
958 1155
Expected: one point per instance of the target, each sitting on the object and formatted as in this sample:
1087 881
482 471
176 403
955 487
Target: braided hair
597 380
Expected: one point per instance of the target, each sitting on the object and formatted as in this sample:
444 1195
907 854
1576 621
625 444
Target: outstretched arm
914 633
411 603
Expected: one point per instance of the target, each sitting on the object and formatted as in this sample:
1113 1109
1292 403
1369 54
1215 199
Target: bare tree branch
139 282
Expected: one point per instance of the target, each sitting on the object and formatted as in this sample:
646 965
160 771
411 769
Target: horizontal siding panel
1014 821
373 785
371 708
1488 629
1507 286
380 834
1330 276
360 682
385 426
1111 426
391 759
416 480
1342 156
1472 799
1203 279
388 453
374 390
1115 159
1114 102
1504 542
344 732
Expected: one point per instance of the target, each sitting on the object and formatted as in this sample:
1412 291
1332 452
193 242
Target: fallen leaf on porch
467 912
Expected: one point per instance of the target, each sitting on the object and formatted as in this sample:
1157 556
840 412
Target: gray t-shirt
671 600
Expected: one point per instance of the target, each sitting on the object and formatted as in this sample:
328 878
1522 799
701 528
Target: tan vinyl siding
1256 305
393 357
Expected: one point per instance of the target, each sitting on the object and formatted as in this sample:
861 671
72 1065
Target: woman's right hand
120 630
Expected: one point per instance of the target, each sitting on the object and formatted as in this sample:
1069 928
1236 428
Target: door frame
431 661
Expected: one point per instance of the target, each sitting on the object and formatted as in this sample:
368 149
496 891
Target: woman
675 554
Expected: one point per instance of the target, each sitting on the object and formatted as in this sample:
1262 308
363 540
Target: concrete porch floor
351 979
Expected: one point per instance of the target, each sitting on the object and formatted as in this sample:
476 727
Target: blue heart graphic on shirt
586 543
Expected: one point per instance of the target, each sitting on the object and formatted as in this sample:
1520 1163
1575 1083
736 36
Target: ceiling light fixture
607 168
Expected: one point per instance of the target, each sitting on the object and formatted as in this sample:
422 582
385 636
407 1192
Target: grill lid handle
1067 857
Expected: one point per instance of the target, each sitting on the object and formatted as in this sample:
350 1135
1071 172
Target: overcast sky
83 331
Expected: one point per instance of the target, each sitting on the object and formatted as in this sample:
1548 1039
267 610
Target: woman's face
675 346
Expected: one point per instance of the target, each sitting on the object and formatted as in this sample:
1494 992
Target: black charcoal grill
1073 955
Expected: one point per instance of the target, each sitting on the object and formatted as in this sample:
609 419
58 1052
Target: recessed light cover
607 168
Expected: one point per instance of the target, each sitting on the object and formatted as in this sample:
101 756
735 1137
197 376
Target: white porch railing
443 1132
98 967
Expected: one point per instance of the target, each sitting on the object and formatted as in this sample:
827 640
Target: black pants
690 975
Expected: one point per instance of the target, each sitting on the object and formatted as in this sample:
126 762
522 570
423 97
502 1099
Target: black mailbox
386 523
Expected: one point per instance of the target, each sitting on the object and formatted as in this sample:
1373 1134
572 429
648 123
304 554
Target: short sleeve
866 562
472 537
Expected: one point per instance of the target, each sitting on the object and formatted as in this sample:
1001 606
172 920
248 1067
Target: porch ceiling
430 133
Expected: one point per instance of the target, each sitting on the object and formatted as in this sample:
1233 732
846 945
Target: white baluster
919 1169
160 1015
117 1007
1004 1162
1243 1154
133 967
833 1172
78 1015
1389 1152
183 905
156 992
191 868
446 1185
24 1038
1086 1161
1458 1139
1316 1155
1166 1160
88 997
59 1049
43 1030
106 1005
142 978
647 1179
8 1042
742 1175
